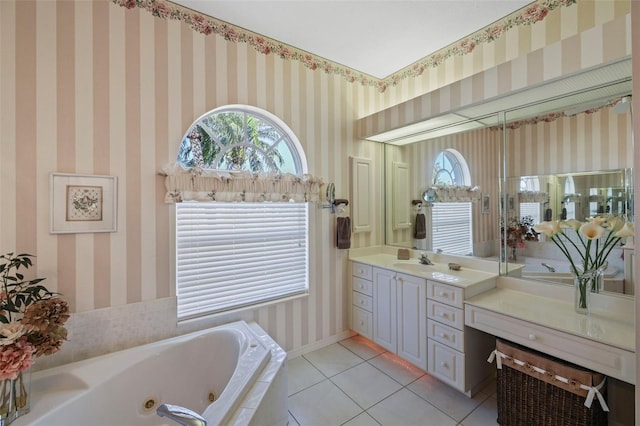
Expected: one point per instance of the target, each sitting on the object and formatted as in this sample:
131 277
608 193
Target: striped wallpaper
574 37
90 87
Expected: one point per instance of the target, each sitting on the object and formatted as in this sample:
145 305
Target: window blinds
451 228
231 255
531 209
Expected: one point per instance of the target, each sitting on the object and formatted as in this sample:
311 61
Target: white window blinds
451 228
532 210
231 255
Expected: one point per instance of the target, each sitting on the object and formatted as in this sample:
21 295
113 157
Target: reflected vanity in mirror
563 197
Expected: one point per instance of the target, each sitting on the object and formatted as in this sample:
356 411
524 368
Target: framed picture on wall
486 203
512 203
82 203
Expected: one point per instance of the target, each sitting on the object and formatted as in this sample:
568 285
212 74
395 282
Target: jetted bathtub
533 268
223 373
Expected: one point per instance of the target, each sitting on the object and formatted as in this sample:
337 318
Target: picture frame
512 203
486 203
82 203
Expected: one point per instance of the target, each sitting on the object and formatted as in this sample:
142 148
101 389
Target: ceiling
375 37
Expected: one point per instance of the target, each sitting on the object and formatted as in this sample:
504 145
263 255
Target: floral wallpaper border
553 116
207 25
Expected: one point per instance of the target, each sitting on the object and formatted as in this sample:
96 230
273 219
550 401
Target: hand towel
420 232
343 227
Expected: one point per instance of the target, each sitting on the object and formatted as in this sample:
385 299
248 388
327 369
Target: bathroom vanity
417 312
445 322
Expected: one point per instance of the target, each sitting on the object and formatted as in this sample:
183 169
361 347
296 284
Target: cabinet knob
444 365
442 294
444 314
362 302
532 337
361 322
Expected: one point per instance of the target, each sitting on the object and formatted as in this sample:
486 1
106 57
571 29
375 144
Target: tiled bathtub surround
102 331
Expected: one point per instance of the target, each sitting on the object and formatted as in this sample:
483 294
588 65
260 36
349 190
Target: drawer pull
362 302
444 315
361 322
443 294
444 365
532 337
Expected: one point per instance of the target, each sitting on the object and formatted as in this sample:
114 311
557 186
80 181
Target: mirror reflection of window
451 221
450 168
569 203
531 209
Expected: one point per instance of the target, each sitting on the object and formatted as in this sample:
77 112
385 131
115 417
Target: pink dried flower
15 358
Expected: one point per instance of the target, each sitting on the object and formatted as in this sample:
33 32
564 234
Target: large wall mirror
557 150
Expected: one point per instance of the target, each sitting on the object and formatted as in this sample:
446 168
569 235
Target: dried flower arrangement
32 322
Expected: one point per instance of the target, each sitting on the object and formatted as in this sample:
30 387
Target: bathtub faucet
549 267
181 415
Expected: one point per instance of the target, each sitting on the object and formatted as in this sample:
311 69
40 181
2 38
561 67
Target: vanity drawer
444 293
445 314
362 322
362 301
446 364
446 335
361 270
600 357
362 286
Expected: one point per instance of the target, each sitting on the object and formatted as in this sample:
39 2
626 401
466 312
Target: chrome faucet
181 415
424 259
549 267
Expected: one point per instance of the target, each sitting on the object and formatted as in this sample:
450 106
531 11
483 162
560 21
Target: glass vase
597 285
14 399
584 282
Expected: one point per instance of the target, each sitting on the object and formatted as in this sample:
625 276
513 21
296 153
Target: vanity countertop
467 277
558 314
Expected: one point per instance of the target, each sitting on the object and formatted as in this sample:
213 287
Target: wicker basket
527 397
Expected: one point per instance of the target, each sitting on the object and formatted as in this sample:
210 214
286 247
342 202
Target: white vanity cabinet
362 299
399 315
457 354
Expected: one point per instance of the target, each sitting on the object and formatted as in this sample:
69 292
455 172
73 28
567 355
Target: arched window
450 168
240 252
451 221
242 138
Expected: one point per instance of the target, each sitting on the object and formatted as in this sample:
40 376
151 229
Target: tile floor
355 382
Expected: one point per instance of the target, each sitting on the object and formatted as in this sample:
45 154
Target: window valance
456 193
533 197
197 184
